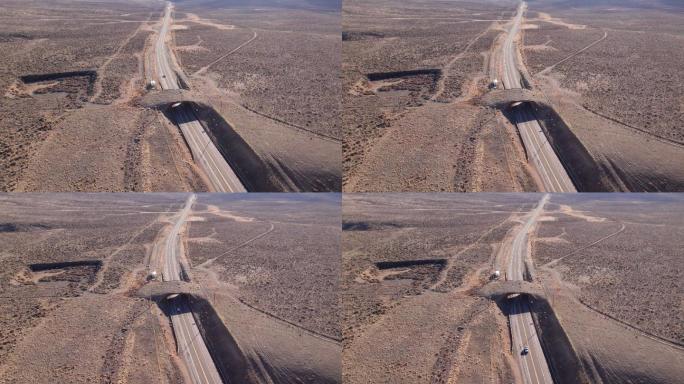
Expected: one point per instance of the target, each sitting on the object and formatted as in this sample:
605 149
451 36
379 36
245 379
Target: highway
533 366
219 173
191 347
542 156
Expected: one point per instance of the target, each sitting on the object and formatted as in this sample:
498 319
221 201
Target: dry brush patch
631 76
53 38
629 273
453 41
286 65
279 258
410 266
54 251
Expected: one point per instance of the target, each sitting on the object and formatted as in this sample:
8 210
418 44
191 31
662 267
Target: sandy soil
126 340
612 84
83 133
610 275
409 131
258 317
417 324
606 263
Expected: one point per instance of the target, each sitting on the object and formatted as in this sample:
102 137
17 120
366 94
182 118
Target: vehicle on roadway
525 351
494 84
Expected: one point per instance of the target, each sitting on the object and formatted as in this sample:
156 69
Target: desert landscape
79 111
421 112
423 301
94 275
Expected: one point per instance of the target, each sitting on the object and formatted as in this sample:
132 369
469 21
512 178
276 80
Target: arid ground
264 270
411 71
74 73
271 70
612 71
607 77
418 304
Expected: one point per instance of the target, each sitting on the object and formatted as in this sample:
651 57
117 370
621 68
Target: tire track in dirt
106 260
444 273
556 261
445 70
103 68
550 67
253 239
662 340
204 69
446 361
652 135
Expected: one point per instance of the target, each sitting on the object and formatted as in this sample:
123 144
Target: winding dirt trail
103 68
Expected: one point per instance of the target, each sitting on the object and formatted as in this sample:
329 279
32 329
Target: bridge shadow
519 112
175 304
562 359
507 307
180 114
229 360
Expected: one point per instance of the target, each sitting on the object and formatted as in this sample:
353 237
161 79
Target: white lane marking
527 340
191 347
522 361
209 159
181 335
203 159
542 147
544 163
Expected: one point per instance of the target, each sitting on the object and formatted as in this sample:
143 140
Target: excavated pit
368 226
361 35
422 272
66 279
440 263
377 76
89 75
39 267
410 88
15 227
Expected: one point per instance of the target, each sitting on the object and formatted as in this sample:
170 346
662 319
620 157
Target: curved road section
221 176
533 366
191 347
551 171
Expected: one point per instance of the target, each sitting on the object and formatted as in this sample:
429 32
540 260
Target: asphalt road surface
533 366
191 347
541 154
205 153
